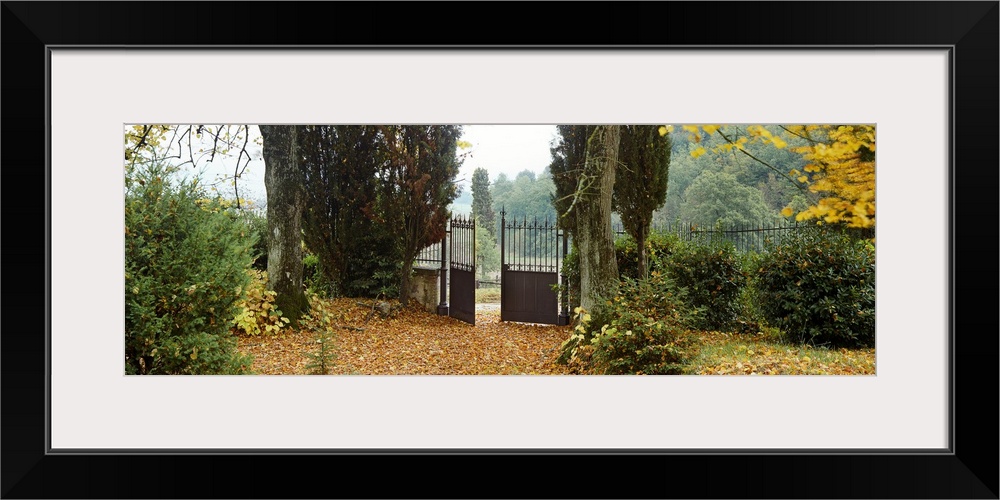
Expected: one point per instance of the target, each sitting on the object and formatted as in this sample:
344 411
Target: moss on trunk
285 202
598 267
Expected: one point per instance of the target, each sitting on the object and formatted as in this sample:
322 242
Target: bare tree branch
810 139
766 164
238 172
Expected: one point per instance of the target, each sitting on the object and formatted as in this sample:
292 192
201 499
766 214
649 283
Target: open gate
529 271
462 282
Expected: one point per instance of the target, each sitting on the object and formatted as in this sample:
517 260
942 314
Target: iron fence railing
537 251
530 245
745 238
430 257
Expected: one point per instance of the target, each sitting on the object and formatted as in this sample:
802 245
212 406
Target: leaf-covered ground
417 342
414 342
719 353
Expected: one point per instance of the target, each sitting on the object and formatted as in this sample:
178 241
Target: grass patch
488 296
766 353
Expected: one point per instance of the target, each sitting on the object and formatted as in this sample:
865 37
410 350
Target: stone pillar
424 288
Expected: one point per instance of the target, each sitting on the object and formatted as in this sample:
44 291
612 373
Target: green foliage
257 312
641 182
256 225
525 199
322 360
374 267
488 295
626 253
633 344
569 151
417 185
657 247
776 190
322 320
482 201
314 279
487 252
343 220
819 287
712 274
199 353
637 331
714 278
186 258
719 198
571 272
749 318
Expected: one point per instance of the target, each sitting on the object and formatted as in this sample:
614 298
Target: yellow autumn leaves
842 163
840 166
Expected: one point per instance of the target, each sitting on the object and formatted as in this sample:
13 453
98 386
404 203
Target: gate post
503 251
564 314
443 277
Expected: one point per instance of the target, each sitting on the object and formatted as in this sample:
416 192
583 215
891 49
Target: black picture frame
968 470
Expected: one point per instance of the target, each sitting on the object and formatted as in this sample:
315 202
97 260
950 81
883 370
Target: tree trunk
404 285
285 203
640 241
598 267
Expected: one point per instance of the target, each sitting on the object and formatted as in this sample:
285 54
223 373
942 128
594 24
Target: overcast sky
497 148
507 148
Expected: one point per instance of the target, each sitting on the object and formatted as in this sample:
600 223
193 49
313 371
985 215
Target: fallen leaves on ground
754 354
414 342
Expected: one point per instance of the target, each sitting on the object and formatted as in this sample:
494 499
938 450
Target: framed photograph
924 73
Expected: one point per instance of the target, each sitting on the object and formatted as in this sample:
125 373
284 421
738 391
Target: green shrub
186 258
627 255
819 287
315 279
714 278
374 266
658 246
256 224
198 353
636 344
749 318
323 359
323 320
638 331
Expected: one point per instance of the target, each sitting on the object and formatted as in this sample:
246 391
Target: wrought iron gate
462 286
529 271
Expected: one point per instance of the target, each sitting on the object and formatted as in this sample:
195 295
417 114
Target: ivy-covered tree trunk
285 203
598 267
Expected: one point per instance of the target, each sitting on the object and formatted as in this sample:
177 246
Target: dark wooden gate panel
529 263
529 297
462 286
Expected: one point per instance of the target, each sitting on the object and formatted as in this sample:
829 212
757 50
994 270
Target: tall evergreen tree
641 181
569 151
418 184
342 224
482 202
